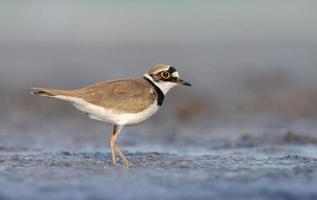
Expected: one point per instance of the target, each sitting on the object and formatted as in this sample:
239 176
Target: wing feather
132 95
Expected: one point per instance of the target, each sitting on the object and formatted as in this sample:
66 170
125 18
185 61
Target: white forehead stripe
175 74
160 70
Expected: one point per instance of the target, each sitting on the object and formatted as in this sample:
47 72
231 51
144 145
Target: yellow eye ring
165 75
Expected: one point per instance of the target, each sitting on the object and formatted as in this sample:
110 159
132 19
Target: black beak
182 82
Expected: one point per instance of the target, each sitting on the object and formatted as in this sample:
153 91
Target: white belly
109 115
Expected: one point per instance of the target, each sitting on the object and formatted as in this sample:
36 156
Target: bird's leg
125 160
116 131
115 148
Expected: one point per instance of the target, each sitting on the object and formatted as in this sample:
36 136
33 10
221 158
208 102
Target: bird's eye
165 74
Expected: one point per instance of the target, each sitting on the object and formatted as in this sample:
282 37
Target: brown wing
132 95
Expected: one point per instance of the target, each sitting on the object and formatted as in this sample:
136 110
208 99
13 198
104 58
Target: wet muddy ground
70 159
250 173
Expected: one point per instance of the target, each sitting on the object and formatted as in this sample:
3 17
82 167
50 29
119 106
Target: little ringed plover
121 102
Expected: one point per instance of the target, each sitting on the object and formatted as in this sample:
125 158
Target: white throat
164 86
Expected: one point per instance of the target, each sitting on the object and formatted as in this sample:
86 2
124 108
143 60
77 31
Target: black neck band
160 94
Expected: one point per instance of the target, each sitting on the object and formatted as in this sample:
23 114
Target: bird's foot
129 165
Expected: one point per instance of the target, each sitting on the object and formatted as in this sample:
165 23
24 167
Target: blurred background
253 66
246 129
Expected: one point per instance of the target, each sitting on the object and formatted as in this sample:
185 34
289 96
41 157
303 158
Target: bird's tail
48 92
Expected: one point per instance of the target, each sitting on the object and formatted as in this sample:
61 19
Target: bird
121 103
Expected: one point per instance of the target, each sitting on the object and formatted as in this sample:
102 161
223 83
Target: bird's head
165 77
